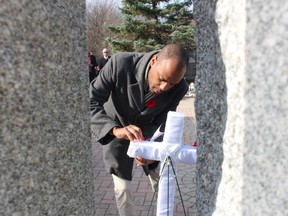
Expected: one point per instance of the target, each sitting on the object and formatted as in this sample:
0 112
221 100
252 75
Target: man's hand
130 132
140 161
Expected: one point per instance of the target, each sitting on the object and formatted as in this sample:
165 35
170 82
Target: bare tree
99 15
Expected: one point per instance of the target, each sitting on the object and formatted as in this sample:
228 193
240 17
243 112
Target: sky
119 2
95 1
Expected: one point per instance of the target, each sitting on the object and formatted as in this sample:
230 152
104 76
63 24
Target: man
129 101
102 61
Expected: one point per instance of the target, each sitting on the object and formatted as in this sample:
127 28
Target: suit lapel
137 95
160 100
136 91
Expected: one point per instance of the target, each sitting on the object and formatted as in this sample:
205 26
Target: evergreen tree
151 24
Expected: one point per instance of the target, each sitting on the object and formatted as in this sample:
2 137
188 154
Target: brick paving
144 205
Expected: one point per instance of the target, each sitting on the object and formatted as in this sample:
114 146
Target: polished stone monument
242 107
44 116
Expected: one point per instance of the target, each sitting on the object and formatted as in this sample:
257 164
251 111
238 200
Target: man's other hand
130 132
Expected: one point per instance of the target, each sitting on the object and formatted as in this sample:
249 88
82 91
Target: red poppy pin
195 143
151 103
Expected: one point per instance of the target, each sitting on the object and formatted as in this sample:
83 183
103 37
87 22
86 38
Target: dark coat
117 99
102 61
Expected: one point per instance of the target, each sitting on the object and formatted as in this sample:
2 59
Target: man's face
164 74
105 52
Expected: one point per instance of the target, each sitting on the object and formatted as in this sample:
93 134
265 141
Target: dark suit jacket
102 61
117 99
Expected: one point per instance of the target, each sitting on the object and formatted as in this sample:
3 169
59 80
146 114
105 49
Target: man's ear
154 59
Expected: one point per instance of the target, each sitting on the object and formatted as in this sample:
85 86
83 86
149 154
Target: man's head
168 68
105 52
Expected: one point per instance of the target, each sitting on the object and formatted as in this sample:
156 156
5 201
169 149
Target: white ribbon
170 146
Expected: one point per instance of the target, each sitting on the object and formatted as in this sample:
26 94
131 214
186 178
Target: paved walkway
103 184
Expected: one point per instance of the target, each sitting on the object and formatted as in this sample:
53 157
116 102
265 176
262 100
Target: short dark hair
175 51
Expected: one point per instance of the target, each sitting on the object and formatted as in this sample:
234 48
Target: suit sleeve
99 93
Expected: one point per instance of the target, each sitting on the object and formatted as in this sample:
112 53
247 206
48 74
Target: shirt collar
146 84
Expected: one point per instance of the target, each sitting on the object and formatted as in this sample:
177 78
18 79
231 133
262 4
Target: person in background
130 100
92 64
103 60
